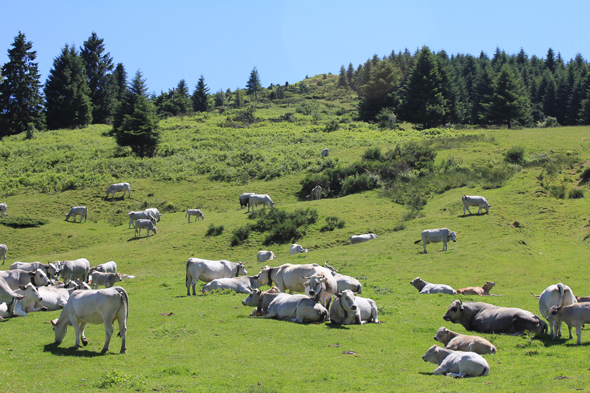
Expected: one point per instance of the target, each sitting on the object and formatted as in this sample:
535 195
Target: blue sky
286 40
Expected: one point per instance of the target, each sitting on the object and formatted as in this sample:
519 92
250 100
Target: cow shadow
332 325
54 349
134 238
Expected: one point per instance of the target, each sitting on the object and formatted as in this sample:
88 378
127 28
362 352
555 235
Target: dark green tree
376 95
509 102
220 99
482 95
201 96
67 100
99 67
239 98
550 60
21 102
119 82
253 85
349 73
342 78
135 123
584 115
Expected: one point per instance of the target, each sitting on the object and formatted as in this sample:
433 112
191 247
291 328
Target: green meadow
535 235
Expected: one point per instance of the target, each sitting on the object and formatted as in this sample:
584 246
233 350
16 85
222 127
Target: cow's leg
440 371
579 332
569 327
108 327
74 322
374 315
424 245
194 284
130 222
82 335
444 245
122 330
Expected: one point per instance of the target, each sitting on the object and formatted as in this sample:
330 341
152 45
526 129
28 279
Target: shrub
283 227
240 235
332 223
585 176
557 191
214 231
332 126
576 193
373 154
515 155
359 183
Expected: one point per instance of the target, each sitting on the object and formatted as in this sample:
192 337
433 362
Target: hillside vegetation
535 235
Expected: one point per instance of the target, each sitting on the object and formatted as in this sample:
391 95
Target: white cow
296 249
81 210
8 296
194 212
354 239
349 309
245 197
316 193
256 199
140 215
16 278
345 282
31 295
154 212
475 200
78 268
457 364
290 277
3 251
148 225
54 298
261 300
426 288
321 286
50 269
107 267
436 236
325 153
264 256
576 314
3 208
296 308
555 295
113 188
461 342
106 279
95 307
244 284
207 270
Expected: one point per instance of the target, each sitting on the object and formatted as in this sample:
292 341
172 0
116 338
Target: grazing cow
576 314
8 296
475 200
296 308
261 300
3 251
244 198
107 267
456 363
16 278
207 271
78 268
325 153
487 318
81 210
194 212
436 236
290 277
264 256
50 269
296 249
106 279
321 286
148 225
140 215
256 199
95 307
3 208
460 342
154 212
113 188
316 193
481 291
426 288
349 309
244 284
555 295
354 239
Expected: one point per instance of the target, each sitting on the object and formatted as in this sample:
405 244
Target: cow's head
60 328
489 285
31 292
431 355
264 275
52 270
241 269
553 315
452 236
454 312
347 300
39 278
155 230
313 285
418 283
442 335
118 277
253 298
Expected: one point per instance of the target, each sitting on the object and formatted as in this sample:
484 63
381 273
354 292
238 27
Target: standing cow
79 268
244 198
206 270
555 295
475 200
436 236
290 277
325 153
3 252
194 212
78 210
113 188
256 199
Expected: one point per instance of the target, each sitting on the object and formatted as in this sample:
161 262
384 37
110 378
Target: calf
475 200
427 288
140 215
106 279
460 342
576 314
261 300
457 364
81 210
481 291
3 251
194 212
148 225
348 309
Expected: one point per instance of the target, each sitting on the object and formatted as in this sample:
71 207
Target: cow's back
292 275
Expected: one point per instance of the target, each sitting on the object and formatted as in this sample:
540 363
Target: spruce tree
99 67
21 102
550 60
349 74
584 114
67 100
253 85
509 102
200 96
482 95
119 82
376 95
239 98
182 102
342 78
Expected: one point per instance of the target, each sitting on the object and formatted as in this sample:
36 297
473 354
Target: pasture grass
528 241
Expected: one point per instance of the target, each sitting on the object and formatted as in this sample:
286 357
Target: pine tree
119 82
550 60
376 95
99 67
135 123
253 85
67 100
349 74
342 78
182 101
584 115
200 96
509 102
21 102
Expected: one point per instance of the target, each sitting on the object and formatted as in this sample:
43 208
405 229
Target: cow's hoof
124 350
84 342
104 350
44 308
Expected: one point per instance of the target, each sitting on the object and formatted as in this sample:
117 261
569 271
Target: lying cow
3 208
321 286
256 199
481 291
555 295
296 249
154 212
16 278
290 277
113 188
460 342
3 252
475 200
296 308
194 212
207 271
576 314
263 256
8 296
105 279
78 210
50 269
456 363
487 318
260 300
148 225
349 309
244 284
140 215
53 298
78 268
355 239
345 282
436 236
31 295
426 288
95 306
244 198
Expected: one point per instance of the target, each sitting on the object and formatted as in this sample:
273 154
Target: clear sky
286 40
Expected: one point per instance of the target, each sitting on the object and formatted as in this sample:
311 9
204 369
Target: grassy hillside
530 239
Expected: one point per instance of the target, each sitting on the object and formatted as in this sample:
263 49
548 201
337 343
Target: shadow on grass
471 215
134 238
332 325
81 353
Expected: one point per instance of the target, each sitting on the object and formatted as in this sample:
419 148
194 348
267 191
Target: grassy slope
209 343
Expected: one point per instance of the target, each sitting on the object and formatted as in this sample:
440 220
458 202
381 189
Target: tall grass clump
214 230
515 155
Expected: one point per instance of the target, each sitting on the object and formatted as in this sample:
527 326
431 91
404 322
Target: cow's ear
54 322
306 284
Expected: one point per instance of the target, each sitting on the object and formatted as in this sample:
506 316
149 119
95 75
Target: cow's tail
417 241
187 277
124 299
561 294
537 296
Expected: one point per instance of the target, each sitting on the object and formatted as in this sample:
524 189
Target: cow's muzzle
311 292
447 318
